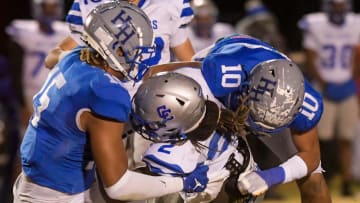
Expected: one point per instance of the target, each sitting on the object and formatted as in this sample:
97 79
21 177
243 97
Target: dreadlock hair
93 58
234 121
206 127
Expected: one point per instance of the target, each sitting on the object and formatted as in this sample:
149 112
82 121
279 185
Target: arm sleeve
127 187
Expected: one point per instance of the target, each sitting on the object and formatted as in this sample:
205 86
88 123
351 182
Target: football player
330 38
168 19
205 29
79 114
37 37
170 110
227 66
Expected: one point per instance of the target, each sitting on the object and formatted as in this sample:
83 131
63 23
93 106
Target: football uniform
71 88
219 30
36 45
334 46
216 152
168 18
229 63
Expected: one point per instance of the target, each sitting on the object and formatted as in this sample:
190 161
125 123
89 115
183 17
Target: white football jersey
334 44
219 30
168 18
36 46
177 160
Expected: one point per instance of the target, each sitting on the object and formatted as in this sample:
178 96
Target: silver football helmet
276 94
167 106
122 34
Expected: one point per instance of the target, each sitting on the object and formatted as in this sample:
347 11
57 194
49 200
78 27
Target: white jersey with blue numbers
168 18
55 151
36 45
333 44
177 160
228 65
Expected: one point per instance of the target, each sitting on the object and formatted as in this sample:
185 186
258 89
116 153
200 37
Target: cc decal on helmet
167 106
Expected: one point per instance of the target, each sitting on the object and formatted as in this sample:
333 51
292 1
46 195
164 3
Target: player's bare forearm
313 189
53 57
184 51
308 148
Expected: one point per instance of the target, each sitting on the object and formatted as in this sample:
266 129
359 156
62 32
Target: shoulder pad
110 100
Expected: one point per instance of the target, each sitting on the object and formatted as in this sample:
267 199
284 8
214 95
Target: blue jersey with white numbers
55 151
229 63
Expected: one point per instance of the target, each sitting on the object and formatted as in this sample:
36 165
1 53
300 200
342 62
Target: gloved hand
258 182
197 180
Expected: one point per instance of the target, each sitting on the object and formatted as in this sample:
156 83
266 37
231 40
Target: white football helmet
167 106
276 94
122 34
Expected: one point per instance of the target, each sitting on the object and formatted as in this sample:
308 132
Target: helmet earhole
181 102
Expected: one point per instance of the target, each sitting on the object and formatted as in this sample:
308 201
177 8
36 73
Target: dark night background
287 11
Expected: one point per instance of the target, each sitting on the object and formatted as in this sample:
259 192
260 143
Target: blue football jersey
229 63
55 151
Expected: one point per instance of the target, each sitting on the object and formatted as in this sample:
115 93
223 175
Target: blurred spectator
204 28
36 38
329 41
9 131
260 23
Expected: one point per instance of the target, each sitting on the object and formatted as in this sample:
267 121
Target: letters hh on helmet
122 34
167 106
276 94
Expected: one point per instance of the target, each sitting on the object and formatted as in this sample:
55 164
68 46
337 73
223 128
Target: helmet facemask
119 27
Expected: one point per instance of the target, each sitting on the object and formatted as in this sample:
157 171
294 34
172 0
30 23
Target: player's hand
258 182
197 180
252 184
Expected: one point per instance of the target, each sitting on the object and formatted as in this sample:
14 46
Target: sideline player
226 68
37 37
80 113
330 39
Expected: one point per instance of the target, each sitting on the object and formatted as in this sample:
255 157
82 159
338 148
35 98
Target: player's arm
307 144
184 51
56 54
311 56
111 161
